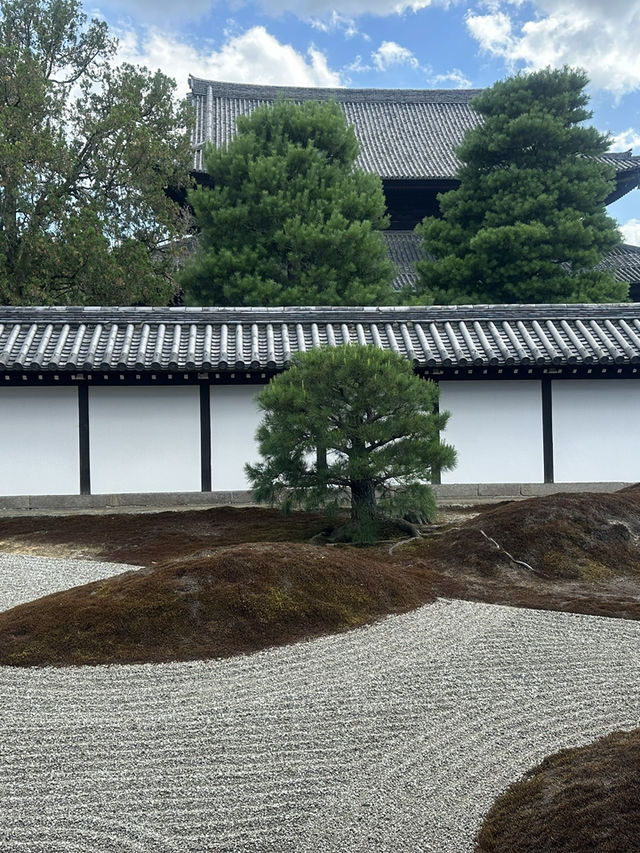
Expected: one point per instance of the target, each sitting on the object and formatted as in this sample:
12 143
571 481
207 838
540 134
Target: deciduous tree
89 153
528 222
354 423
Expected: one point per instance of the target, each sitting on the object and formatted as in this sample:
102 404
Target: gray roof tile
403 133
163 340
404 250
624 262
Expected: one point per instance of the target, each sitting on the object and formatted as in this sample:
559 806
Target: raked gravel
395 737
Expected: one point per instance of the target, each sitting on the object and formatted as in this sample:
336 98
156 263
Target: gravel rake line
24 578
78 838
506 718
395 737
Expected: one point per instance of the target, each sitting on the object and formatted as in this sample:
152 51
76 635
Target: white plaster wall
235 417
144 439
39 441
496 428
596 430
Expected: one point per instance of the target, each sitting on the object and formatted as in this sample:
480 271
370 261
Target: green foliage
354 422
289 220
528 221
87 152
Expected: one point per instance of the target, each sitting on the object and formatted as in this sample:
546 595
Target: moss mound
585 536
144 538
230 580
576 800
212 604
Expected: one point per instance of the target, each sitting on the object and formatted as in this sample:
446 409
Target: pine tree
528 222
288 219
350 422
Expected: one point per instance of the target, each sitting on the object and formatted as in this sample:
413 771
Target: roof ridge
311 314
255 91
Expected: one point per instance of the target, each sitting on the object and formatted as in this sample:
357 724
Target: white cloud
387 55
390 53
597 36
629 138
320 13
452 79
493 32
358 66
336 23
254 56
631 232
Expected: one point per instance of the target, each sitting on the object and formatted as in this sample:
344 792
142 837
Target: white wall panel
496 428
144 439
39 441
235 417
596 430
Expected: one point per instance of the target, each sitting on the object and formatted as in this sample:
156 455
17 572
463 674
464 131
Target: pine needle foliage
528 222
289 219
354 424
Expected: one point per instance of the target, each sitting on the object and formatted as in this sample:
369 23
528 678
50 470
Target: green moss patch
144 538
230 580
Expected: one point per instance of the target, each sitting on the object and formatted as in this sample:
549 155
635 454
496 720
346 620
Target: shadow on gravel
227 580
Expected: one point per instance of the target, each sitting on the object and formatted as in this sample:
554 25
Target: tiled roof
403 133
624 161
624 262
157 340
404 250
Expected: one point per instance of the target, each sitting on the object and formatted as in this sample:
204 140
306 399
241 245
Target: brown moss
561 536
213 604
151 537
576 800
231 580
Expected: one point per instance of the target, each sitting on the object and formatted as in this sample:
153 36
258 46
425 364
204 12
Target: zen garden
360 575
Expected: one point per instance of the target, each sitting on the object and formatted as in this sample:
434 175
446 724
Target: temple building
114 406
408 137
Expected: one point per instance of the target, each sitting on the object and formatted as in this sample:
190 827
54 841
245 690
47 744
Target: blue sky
397 43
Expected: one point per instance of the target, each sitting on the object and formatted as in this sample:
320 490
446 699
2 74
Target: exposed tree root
402 524
343 533
395 545
507 554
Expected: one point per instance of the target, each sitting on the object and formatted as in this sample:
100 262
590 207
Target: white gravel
396 737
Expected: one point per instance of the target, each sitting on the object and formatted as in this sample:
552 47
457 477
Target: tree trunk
321 462
363 501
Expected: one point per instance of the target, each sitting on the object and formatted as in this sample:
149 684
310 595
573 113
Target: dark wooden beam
205 435
547 429
436 473
84 439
